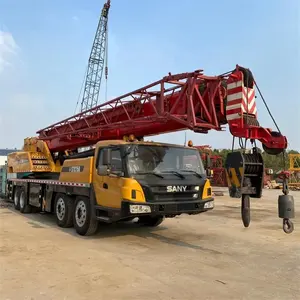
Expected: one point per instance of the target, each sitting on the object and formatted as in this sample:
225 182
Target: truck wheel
64 206
17 199
25 208
84 223
151 221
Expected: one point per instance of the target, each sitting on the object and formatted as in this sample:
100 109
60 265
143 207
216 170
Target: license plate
209 204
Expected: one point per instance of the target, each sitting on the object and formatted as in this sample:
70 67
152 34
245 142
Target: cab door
108 189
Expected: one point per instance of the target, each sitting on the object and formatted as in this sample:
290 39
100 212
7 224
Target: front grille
160 194
174 196
182 207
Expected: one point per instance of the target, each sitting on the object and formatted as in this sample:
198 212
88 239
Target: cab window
116 161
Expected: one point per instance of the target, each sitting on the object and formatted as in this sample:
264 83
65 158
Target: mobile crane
122 176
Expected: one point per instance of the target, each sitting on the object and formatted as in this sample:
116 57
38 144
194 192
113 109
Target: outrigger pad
245 174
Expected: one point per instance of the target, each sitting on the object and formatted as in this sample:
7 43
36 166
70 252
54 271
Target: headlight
139 209
195 196
209 204
197 188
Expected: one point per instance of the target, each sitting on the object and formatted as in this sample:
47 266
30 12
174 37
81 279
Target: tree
275 162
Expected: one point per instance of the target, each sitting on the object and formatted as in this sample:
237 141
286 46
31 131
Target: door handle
105 186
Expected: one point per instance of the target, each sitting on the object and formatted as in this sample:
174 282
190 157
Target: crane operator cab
149 180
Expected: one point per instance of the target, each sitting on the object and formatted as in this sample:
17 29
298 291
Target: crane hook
286 209
287 226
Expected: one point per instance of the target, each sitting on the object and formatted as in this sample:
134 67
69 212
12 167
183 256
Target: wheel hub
80 213
60 209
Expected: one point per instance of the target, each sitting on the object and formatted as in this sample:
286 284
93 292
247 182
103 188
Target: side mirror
208 161
209 173
102 170
106 157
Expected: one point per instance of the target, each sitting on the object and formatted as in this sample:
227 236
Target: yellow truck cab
120 180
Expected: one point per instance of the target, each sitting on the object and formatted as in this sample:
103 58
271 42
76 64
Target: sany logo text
174 188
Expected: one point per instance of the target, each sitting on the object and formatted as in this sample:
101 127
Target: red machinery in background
205 152
218 177
219 172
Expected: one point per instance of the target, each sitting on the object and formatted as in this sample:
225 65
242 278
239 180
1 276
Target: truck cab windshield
157 160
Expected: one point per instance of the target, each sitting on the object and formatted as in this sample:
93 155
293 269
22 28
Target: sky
45 45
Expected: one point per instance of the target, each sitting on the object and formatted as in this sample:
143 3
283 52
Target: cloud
8 49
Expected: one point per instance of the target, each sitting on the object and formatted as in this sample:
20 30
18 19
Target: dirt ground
208 256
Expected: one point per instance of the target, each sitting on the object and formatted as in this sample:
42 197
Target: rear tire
84 222
151 221
64 206
16 198
25 207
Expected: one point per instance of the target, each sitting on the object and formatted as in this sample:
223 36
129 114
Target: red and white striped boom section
176 102
240 100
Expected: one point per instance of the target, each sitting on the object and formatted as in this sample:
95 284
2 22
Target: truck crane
123 177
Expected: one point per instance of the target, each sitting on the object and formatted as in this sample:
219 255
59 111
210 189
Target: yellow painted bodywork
19 162
85 176
130 184
207 191
118 188
233 178
35 157
110 190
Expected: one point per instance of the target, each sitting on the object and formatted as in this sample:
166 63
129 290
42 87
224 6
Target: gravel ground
209 256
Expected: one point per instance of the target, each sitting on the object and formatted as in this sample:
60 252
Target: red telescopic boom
176 102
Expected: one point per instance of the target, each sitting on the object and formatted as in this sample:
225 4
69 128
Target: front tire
84 223
64 206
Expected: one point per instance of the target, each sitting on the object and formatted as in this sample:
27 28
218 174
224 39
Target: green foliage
274 162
